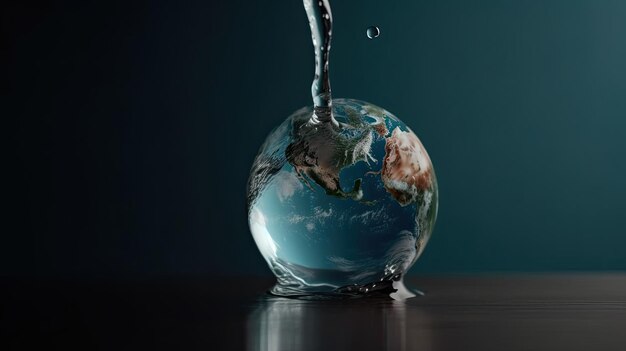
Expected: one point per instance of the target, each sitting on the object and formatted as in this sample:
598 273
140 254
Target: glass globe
343 207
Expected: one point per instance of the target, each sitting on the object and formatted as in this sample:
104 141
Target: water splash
321 23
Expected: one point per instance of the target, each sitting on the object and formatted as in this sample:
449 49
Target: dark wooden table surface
503 312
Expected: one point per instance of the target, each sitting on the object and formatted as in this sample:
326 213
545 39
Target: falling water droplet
373 32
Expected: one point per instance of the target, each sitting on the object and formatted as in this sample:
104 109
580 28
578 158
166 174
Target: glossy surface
547 312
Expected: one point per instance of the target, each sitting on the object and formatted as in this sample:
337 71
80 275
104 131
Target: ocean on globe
341 207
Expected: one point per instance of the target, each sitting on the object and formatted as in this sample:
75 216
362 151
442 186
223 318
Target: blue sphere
341 207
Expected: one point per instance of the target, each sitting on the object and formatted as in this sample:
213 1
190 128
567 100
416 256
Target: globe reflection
288 324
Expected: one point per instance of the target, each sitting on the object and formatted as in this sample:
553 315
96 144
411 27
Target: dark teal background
133 127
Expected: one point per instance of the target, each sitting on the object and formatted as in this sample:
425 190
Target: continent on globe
321 151
407 169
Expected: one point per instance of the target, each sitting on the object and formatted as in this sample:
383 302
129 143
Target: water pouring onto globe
342 196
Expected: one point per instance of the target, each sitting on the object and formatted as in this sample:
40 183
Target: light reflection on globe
342 209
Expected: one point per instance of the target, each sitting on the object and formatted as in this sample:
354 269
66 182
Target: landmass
407 169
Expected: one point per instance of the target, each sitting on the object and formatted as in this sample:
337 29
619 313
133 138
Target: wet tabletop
519 312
